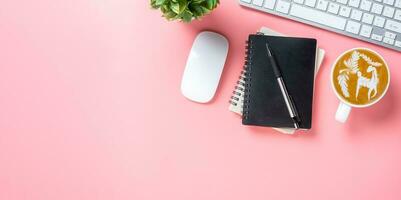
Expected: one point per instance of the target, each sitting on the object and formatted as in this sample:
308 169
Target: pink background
90 108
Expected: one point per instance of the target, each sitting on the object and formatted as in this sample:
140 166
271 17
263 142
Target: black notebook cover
263 102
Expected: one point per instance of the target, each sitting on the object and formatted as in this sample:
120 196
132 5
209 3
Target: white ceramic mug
345 106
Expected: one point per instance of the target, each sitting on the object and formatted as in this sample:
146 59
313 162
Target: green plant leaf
197 1
210 4
153 4
178 7
197 11
186 16
169 15
159 2
184 10
205 10
175 7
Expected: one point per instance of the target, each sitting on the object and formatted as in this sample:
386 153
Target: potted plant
184 10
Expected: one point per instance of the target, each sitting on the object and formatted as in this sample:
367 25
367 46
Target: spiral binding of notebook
238 99
247 79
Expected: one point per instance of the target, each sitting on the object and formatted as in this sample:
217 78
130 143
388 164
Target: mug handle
343 111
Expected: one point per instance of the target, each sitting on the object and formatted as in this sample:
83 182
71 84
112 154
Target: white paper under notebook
237 100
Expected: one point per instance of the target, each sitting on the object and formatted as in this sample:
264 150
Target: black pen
287 98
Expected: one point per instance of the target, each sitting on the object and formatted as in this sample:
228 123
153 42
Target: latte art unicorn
371 83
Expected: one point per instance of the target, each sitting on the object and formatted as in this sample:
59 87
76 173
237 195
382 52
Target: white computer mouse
204 67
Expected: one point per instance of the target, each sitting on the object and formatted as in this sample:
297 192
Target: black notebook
263 102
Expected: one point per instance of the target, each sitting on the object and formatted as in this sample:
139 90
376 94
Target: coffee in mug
360 77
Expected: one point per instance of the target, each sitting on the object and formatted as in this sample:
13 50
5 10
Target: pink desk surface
90 108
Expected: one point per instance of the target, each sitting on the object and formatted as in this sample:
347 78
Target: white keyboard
374 21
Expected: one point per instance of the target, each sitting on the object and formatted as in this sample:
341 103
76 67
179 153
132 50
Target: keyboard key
398 43
342 1
269 4
353 27
393 26
398 3
388 40
356 14
257 2
345 11
333 8
310 3
379 21
299 1
366 31
377 8
397 15
388 11
377 37
378 0
319 17
322 4
390 35
354 3
246 1
388 2
365 5
283 6
367 18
